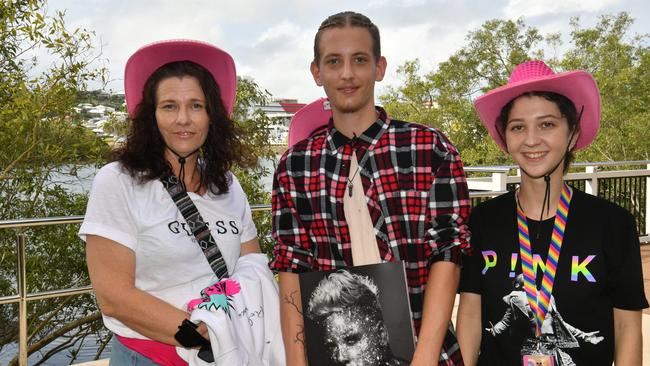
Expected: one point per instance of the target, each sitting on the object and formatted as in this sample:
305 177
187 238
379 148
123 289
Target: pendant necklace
350 185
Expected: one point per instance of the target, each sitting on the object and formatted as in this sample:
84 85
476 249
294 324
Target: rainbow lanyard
540 301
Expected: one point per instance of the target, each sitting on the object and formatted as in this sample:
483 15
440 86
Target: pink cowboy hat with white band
151 57
535 76
308 119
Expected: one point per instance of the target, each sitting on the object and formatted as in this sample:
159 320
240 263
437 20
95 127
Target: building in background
279 112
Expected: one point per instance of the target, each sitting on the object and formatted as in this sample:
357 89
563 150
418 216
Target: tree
117 124
443 98
252 124
620 63
39 145
42 147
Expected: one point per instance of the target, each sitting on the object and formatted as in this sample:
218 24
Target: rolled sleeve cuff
453 254
290 259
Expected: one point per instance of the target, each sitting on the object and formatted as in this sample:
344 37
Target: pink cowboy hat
308 119
579 86
149 58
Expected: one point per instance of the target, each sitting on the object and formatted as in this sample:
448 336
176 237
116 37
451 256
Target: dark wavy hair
348 19
564 104
143 153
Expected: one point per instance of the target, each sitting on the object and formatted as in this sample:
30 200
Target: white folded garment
250 334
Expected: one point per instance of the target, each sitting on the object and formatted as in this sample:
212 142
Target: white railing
592 175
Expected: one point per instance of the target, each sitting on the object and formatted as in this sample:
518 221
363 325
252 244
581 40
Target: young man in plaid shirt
411 178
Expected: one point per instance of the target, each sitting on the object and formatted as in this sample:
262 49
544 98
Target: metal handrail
613 163
47 294
506 168
23 297
78 219
42 221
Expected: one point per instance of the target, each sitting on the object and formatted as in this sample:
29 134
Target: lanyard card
538 360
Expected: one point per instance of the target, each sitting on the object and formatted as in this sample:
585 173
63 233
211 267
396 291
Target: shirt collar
369 137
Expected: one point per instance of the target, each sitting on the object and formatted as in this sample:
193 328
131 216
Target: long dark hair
143 154
564 104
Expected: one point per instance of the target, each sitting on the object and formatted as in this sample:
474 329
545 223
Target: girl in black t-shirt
555 276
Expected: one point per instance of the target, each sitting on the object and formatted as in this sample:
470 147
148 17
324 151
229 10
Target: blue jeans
122 356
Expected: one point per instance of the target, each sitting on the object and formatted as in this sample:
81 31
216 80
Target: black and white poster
358 316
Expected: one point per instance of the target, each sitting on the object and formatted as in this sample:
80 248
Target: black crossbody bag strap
197 225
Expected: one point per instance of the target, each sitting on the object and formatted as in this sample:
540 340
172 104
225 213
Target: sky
271 41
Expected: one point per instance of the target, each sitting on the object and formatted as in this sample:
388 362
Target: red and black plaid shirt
417 198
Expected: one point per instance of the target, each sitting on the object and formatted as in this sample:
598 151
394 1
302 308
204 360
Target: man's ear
315 72
381 68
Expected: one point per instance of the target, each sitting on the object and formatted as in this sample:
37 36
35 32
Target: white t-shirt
168 262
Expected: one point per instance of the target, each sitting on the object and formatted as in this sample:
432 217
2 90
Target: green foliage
55 260
38 143
443 98
620 63
255 137
34 133
117 125
41 140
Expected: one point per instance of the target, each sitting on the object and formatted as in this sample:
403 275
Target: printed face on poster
358 316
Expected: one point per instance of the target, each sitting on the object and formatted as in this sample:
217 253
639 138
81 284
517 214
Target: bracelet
188 336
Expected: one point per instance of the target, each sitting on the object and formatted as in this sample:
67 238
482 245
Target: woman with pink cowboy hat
555 274
145 256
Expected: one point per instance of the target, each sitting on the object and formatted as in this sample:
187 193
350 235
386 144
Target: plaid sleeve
291 252
449 207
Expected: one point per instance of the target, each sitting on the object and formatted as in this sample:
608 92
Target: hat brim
308 119
146 60
579 86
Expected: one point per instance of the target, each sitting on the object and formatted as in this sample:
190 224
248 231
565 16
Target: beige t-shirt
362 232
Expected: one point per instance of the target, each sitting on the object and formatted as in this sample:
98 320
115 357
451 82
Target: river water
86 353
83 182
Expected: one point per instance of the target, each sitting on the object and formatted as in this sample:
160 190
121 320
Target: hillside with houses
104 113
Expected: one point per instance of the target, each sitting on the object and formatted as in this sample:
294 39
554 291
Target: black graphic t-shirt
599 268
